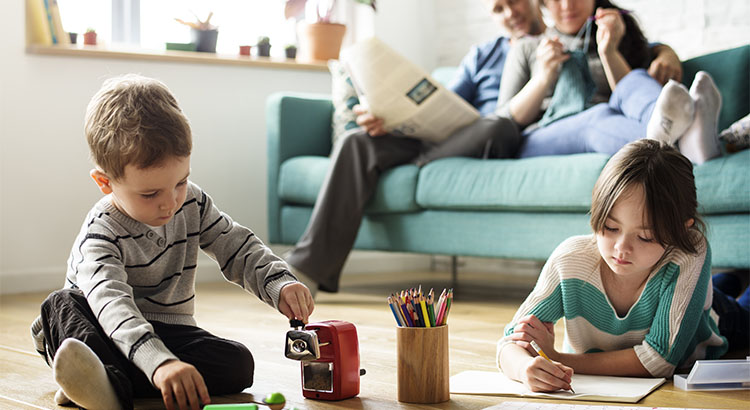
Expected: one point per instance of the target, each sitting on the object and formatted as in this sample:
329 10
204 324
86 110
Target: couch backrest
730 70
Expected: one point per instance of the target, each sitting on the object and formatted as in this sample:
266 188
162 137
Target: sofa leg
454 271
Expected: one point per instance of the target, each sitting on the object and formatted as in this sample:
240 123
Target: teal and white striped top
670 325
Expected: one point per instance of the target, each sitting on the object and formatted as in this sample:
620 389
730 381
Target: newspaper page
408 100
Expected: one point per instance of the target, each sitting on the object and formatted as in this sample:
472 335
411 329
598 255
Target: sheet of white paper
526 405
587 387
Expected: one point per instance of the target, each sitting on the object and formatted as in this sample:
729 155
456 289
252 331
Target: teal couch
508 208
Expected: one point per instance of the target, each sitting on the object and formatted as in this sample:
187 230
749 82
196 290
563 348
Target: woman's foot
673 113
701 140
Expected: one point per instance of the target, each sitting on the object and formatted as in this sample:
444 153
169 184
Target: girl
636 295
615 102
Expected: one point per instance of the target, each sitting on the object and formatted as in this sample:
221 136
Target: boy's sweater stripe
173 303
213 224
669 325
134 262
120 325
231 258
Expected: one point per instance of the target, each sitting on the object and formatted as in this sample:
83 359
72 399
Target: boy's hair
668 185
135 120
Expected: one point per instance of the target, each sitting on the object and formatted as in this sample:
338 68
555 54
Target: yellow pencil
544 355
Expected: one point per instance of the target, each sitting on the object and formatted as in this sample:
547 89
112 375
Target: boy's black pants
226 366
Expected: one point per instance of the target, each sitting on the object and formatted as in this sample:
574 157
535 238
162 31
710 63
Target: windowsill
175 56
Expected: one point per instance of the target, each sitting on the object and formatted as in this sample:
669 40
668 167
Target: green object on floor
275 398
233 406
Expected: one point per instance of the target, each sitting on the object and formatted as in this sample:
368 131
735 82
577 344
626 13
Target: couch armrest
296 124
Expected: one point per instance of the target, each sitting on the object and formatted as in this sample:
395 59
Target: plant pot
290 52
321 41
89 38
264 50
205 40
245 50
73 37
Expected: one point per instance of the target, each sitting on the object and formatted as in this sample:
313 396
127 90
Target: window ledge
175 56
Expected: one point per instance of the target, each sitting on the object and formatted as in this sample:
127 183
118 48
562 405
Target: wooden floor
483 304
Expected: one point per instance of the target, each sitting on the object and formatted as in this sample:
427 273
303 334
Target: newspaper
408 100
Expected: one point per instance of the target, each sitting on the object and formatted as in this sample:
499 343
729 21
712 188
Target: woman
595 53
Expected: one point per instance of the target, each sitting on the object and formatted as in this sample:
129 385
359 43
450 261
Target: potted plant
89 37
291 51
264 46
320 38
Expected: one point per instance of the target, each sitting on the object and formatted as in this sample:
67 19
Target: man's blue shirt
477 79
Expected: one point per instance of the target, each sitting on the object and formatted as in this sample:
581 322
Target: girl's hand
531 328
295 301
182 383
540 374
550 54
372 124
610 30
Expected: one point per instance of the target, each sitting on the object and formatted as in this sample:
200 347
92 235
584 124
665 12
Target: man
361 156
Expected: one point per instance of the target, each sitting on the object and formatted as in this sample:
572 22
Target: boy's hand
372 124
179 381
541 374
295 301
531 328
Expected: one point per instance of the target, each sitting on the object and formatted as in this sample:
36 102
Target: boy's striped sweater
130 274
670 325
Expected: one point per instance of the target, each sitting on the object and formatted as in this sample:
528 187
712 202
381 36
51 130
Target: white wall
691 27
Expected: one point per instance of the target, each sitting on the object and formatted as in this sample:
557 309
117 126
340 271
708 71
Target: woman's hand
531 328
541 374
372 124
182 383
296 302
610 31
550 55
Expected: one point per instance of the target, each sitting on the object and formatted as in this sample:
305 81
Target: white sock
701 141
82 377
61 399
673 113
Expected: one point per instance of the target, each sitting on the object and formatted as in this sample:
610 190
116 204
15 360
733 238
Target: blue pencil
395 315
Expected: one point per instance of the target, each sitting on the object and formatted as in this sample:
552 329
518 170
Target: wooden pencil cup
423 372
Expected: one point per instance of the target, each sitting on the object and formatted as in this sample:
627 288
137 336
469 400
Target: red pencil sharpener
329 355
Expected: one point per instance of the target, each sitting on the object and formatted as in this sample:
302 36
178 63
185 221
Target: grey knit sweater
130 274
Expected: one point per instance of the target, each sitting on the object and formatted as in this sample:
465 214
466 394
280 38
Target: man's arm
666 64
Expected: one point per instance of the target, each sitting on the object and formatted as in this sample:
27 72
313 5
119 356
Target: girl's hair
668 185
633 46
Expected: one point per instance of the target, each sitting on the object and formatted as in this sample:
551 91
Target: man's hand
372 124
295 301
666 65
179 381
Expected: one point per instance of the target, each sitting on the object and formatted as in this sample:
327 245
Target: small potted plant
89 37
264 46
291 51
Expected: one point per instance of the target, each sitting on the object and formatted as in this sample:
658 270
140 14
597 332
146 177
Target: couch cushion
552 183
724 184
301 177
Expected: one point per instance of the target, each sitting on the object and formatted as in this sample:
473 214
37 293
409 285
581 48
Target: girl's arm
614 363
609 33
525 105
537 373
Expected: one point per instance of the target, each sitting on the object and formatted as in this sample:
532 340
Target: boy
123 325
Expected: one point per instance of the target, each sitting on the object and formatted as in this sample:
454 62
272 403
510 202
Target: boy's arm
244 259
102 278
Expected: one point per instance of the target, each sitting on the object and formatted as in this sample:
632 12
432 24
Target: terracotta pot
245 50
89 38
321 41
